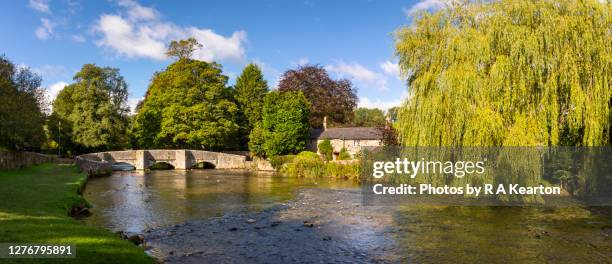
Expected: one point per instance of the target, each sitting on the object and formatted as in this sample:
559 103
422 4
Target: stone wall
246 153
19 159
260 164
93 166
230 161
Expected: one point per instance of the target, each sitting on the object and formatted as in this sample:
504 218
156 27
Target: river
239 216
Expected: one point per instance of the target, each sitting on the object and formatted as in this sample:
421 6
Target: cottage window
355 142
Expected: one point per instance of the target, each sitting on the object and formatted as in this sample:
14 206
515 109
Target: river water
137 202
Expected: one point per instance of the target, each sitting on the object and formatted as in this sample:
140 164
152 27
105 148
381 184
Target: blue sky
351 38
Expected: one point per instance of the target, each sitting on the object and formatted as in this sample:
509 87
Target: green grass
33 209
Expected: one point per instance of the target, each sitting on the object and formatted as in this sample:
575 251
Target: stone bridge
180 159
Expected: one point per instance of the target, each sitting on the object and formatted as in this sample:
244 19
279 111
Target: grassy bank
33 209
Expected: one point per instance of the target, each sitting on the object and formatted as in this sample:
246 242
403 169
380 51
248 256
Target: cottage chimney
324 122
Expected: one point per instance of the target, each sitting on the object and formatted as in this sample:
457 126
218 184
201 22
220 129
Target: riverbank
34 205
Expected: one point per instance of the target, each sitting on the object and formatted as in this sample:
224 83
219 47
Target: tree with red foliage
335 99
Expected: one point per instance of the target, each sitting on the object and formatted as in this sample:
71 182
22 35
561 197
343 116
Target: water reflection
135 201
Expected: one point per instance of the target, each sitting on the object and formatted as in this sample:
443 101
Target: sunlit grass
33 209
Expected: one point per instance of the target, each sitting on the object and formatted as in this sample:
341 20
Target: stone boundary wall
93 165
260 164
245 153
20 159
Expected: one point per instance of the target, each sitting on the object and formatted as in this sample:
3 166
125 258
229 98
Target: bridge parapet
180 159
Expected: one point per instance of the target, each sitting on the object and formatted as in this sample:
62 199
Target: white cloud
391 69
139 32
127 41
40 6
380 104
137 12
132 103
359 73
53 90
428 5
217 46
301 61
45 30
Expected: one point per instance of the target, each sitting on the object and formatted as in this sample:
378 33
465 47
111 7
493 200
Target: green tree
257 141
187 106
326 149
183 49
250 90
284 128
335 99
369 117
91 113
509 72
21 117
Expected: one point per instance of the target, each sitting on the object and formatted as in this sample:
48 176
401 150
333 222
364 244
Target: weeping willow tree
508 73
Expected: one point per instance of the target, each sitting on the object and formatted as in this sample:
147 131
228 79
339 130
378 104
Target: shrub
326 149
344 155
342 170
257 140
278 161
305 164
309 164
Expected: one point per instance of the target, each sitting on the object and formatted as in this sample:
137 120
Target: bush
326 149
256 141
305 164
344 155
309 164
340 170
278 161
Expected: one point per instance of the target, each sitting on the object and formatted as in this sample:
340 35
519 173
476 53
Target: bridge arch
162 165
123 166
203 165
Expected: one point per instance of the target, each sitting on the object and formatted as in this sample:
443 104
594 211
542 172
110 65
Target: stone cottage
351 138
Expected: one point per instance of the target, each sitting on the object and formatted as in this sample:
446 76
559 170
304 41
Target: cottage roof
349 133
